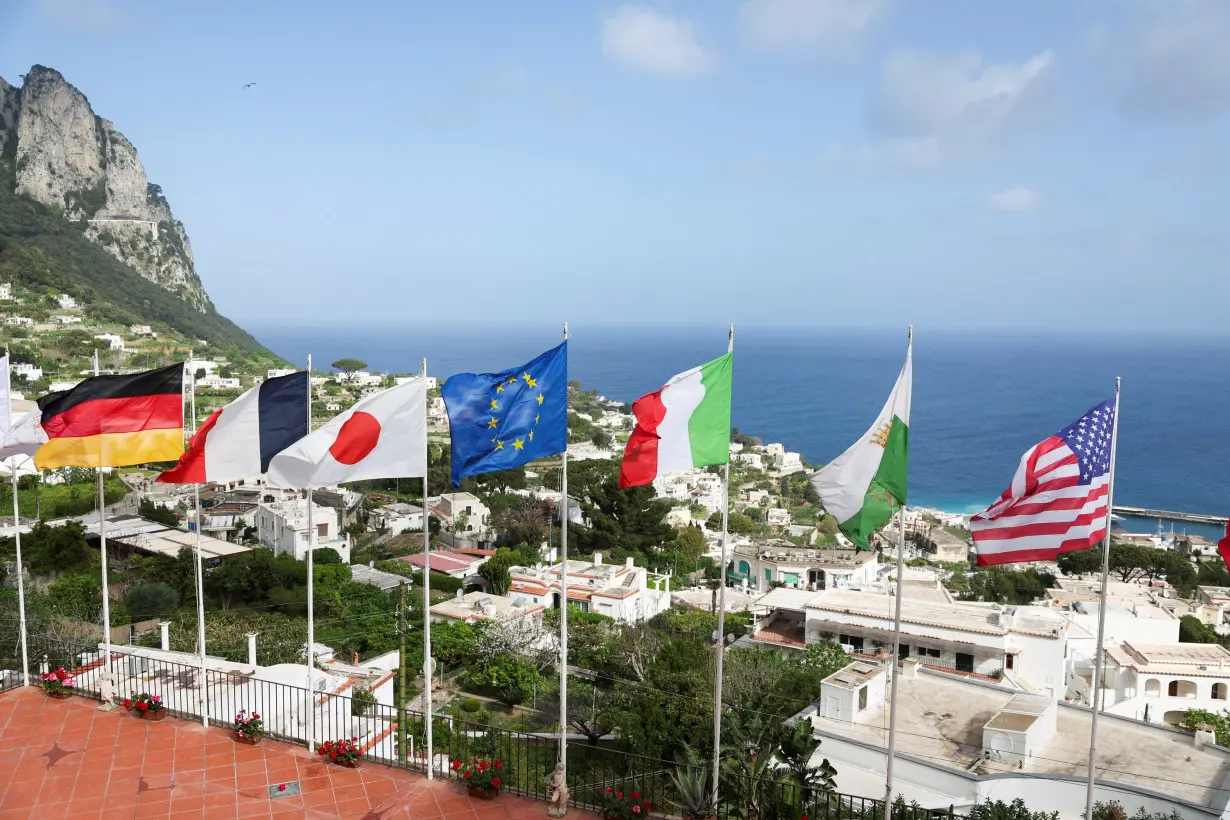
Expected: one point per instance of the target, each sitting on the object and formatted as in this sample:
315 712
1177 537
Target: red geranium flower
499 765
495 781
619 795
468 775
256 716
636 795
609 790
648 806
142 706
333 755
456 765
322 751
127 703
636 809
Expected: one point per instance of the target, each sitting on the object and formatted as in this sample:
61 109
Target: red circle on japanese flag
356 439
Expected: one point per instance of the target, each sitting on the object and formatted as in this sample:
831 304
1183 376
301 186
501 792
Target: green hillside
40 249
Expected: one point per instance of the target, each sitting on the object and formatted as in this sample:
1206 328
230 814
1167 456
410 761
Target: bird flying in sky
249 85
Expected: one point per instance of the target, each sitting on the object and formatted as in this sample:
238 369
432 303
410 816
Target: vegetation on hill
39 248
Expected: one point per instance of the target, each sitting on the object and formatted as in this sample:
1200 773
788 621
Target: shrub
149 600
469 704
362 701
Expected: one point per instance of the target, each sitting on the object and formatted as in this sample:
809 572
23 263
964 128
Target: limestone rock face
70 159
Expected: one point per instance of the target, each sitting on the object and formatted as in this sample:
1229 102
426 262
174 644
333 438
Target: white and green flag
865 485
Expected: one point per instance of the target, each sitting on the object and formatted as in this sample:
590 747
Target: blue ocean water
980 400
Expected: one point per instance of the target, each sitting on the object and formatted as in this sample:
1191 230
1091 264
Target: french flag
241 439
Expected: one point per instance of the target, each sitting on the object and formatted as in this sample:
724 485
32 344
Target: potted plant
249 728
617 805
344 752
146 706
482 777
59 684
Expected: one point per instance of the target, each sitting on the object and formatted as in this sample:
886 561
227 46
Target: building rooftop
441 561
483 606
1216 595
787 598
940 720
1196 659
377 578
989 619
736 599
784 552
158 539
854 675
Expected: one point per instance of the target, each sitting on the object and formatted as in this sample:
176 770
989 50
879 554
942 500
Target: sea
980 398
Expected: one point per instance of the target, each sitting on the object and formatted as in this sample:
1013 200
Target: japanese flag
383 436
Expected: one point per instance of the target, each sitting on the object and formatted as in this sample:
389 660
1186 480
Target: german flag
115 421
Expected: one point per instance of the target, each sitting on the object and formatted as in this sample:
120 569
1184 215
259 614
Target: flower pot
161 714
245 740
481 793
347 764
59 695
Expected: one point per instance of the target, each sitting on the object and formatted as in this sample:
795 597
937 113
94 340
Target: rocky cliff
70 159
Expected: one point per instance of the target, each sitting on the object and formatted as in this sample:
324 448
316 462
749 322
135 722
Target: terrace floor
67 759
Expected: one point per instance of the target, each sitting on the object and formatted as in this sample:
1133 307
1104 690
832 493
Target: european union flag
503 420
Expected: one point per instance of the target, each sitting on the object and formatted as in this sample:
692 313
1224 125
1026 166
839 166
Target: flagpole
200 573
721 613
896 673
563 593
21 583
1097 662
102 548
311 621
428 671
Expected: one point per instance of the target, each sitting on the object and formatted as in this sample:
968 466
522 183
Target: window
1181 689
322 530
862 698
744 569
1009 661
928 652
768 575
965 662
852 640
1153 688
1219 691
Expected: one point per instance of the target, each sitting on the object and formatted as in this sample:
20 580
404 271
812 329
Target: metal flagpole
721 613
21 583
896 673
311 615
428 663
563 594
21 587
1097 662
200 573
102 548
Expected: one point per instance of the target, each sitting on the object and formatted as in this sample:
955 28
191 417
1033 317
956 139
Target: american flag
1057 501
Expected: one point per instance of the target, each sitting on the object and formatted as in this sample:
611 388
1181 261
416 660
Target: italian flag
686 424
865 485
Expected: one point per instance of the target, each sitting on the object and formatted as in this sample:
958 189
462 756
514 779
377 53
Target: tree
601 439
524 523
797 746
692 544
590 710
1194 630
740 524
157 513
495 572
348 366
150 600
512 678
324 556
630 519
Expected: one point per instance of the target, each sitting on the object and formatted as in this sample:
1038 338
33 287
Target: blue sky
1051 165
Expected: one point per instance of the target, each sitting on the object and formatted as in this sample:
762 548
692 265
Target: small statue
559 792
106 689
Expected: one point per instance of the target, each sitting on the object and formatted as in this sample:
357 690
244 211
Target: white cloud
1178 62
948 96
646 40
792 25
1017 200
98 16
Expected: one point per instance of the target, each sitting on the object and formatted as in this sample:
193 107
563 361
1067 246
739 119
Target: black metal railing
396 737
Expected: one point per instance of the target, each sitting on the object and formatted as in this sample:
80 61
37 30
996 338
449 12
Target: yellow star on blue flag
524 407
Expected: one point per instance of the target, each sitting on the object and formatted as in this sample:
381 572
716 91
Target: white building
1025 646
788 462
396 518
432 381
68 319
763 563
27 371
19 321
962 742
854 693
66 302
6 291
461 512
1158 682
141 330
361 378
279 372
113 341
755 460
332 406
624 592
201 364
283 526
216 382
777 517
473 607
